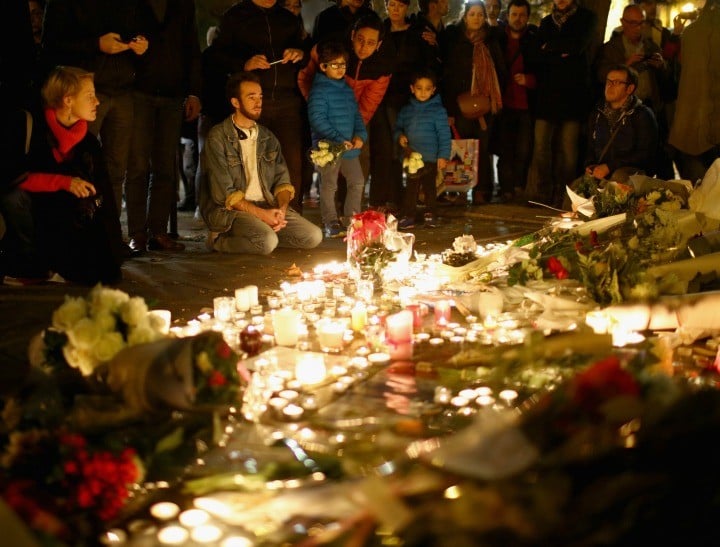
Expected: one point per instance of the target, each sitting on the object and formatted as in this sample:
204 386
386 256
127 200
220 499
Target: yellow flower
203 362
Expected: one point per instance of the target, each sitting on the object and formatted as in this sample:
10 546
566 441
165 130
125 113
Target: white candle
193 517
310 369
330 335
242 299
399 334
173 535
165 510
223 307
442 312
286 326
208 533
293 411
252 292
162 319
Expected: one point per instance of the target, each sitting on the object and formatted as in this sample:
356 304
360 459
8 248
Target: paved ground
186 282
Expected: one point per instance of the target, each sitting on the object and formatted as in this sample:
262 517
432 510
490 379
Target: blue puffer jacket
333 113
425 124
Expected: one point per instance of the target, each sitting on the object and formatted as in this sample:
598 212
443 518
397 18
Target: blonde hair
63 81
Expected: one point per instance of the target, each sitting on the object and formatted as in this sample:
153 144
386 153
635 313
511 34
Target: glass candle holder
223 308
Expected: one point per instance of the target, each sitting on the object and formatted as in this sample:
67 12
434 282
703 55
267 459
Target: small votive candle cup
242 299
286 327
330 335
224 308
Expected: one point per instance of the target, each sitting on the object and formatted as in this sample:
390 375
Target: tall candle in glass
399 335
286 326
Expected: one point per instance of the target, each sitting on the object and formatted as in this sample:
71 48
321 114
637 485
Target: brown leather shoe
164 242
137 246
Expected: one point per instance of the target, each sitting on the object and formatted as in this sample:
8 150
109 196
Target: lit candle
399 334
242 299
310 369
164 510
223 308
162 319
598 321
193 517
173 535
208 533
359 317
293 411
252 292
286 326
442 312
508 396
330 335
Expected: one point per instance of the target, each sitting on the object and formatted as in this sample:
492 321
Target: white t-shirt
248 148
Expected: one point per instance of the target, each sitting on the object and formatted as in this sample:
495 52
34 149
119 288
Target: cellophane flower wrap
327 153
367 254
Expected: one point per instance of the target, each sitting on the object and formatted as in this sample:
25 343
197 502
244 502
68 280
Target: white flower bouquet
413 163
86 332
327 153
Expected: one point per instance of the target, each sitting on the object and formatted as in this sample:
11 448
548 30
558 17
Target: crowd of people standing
559 104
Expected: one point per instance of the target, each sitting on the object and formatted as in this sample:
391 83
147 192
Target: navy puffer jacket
334 114
425 124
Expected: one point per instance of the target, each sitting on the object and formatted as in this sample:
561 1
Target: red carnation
604 380
216 379
223 350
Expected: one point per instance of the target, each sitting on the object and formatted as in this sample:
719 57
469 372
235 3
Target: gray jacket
223 178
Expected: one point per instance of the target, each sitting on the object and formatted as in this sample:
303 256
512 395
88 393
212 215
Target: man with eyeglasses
623 131
630 47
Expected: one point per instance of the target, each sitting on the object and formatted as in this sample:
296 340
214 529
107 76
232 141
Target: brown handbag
472 106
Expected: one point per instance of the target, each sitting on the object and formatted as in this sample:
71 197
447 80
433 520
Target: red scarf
67 137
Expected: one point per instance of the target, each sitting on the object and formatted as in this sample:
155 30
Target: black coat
564 90
81 249
71 30
247 30
457 56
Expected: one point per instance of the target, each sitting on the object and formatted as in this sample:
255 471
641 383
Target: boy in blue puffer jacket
335 117
422 126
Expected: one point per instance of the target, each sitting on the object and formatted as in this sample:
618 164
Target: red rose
223 350
604 380
216 379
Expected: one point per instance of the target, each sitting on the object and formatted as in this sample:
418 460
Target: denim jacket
223 179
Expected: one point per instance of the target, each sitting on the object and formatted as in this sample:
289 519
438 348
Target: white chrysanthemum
142 334
134 311
107 346
671 205
79 359
106 321
103 299
653 196
323 145
69 313
85 334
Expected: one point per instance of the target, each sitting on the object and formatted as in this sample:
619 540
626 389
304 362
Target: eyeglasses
613 83
335 66
632 23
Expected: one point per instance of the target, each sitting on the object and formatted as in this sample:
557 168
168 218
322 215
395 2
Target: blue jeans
555 160
250 235
114 126
151 187
351 170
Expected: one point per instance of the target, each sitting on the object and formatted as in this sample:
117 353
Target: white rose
134 311
84 334
79 359
107 346
141 335
103 299
69 313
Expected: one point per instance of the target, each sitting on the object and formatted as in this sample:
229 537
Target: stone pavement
186 282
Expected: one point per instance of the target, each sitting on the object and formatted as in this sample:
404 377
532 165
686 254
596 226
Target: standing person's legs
385 169
352 171
114 127
138 171
427 182
163 185
284 119
328 187
567 159
539 183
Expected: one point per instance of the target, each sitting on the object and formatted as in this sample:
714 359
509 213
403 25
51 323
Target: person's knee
314 237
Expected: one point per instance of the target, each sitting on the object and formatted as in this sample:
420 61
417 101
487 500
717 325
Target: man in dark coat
263 37
623 131
563 98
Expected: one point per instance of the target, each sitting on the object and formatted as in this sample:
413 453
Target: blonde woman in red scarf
472 61
74 216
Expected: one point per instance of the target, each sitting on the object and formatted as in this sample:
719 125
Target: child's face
334 69
422 89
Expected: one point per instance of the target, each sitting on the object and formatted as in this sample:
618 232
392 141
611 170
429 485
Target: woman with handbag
471 85
76 227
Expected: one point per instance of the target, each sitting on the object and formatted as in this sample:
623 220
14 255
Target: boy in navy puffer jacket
335 117
422 126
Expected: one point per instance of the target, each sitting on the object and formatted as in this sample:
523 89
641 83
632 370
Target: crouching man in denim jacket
245 189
